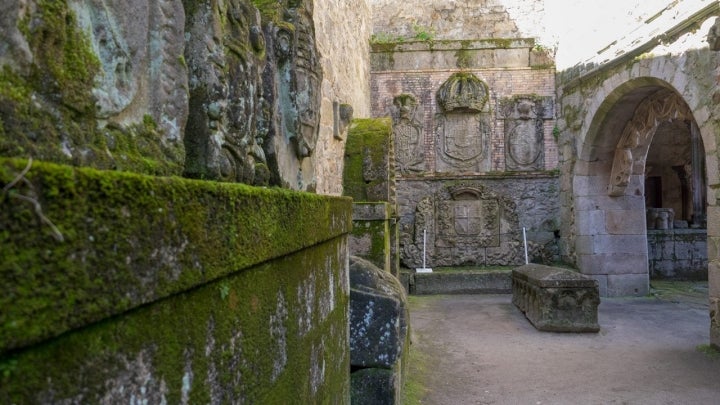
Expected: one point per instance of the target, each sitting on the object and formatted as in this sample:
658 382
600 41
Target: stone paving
480 349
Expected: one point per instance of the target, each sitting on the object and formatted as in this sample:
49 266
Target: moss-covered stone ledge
276 333
78 245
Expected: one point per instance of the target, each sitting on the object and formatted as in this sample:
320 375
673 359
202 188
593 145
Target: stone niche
463 127
464 224
524 118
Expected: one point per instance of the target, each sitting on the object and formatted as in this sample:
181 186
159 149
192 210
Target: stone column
698 181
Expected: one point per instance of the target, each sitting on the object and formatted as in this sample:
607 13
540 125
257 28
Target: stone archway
609 184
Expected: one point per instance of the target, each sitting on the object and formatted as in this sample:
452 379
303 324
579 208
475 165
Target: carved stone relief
227 121
140 69
408 133
464 125
254 93
468 219
661 106
464 224
524 131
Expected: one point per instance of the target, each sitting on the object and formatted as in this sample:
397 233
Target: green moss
64 63
272 11
49 113
205 346
504 43
709 350
463 58
129 239
366 148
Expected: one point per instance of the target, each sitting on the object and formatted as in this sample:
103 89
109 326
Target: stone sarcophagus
555 299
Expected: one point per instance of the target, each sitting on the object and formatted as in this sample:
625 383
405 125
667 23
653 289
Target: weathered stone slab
463 282
374 386
555 299
378 316
378 334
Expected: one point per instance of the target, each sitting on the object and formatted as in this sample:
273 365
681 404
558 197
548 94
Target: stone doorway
640 173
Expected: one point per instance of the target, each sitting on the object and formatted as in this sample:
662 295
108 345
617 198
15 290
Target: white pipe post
424 238
525 243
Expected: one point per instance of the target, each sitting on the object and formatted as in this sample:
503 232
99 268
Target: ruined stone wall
474 19
128 282
343 30
471 121
529 202
678 254
603 222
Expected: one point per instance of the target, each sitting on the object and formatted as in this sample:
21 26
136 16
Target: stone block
714 279
625 202
620 244
623 285
377 211
624 222
374 386
602 283
713 247
590 185
378 316
715 321
590 222
555 299
585 244
625 263
713 221
463 282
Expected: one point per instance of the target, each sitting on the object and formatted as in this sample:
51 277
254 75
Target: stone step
459 281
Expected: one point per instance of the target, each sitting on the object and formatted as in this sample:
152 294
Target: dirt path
479 349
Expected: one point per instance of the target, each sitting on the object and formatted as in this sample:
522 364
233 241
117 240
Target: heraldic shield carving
463 126
469 216
524 117
465 224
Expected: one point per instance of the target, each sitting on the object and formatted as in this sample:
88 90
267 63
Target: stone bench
555 299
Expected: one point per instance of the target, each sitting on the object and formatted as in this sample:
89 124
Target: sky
580 28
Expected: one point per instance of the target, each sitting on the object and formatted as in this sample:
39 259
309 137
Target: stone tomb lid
552 277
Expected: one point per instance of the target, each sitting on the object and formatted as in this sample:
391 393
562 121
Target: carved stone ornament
662 106
407 130
467 218
464 224
463 92
463 127
524 131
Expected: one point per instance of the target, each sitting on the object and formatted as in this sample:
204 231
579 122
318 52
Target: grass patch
709 350
679 291
414 389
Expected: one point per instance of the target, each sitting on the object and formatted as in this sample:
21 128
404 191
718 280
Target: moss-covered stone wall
368 160
119 286
371 235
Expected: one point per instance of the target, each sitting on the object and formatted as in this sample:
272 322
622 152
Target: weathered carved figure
225 131
409 148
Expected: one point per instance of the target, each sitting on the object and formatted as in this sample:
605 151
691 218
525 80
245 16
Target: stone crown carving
463 92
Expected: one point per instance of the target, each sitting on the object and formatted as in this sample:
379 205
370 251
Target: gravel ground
480 349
